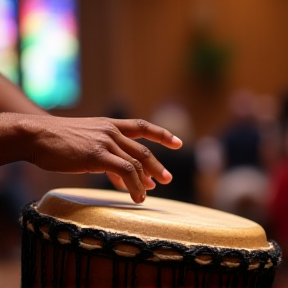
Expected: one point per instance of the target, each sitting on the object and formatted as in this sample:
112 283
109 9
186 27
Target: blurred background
213 72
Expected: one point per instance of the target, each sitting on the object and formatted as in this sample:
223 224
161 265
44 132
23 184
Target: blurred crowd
241 169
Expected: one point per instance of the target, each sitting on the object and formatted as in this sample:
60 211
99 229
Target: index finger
138 128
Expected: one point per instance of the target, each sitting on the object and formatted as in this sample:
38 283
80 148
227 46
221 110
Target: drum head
155 219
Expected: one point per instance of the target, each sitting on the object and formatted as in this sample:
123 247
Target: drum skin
98 238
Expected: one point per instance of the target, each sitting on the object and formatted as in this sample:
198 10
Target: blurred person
277 202
283 113
278 205
243 191
241 138
242 186
269 125
209 162
174 117
209 155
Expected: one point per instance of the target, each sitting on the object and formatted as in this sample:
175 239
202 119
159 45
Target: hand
97 145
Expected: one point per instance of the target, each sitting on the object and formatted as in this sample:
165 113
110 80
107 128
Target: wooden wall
134 51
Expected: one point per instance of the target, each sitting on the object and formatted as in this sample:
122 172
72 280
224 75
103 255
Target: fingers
138 128
127 172
131 164
150 164
147 182
117 181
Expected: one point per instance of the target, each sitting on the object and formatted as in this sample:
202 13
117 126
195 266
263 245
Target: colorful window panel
8 40
50 52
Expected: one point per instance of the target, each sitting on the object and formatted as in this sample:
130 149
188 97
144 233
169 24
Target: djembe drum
99 238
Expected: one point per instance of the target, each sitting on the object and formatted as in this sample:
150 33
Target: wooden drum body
99 238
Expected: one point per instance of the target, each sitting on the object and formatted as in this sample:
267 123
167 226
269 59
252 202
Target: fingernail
176 140
143 197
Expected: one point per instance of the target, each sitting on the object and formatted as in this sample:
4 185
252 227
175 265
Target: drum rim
118 245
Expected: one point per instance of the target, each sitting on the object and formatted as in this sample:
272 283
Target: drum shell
55 265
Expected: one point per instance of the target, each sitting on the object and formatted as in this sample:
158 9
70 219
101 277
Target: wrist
17 137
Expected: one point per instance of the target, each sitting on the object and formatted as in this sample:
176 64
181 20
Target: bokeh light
50 52
8 36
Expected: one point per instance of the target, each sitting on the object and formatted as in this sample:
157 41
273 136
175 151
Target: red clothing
279 205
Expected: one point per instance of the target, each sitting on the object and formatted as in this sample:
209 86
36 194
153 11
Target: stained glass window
50 52
48 56
8 40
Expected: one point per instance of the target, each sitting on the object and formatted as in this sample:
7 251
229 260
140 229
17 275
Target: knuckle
97 152
95 158
139 186
145 151
137 164
127 166
110 129
142 124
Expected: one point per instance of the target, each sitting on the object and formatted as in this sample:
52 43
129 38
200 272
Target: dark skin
82 145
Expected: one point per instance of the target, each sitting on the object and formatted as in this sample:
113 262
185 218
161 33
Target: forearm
15 138
13 99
